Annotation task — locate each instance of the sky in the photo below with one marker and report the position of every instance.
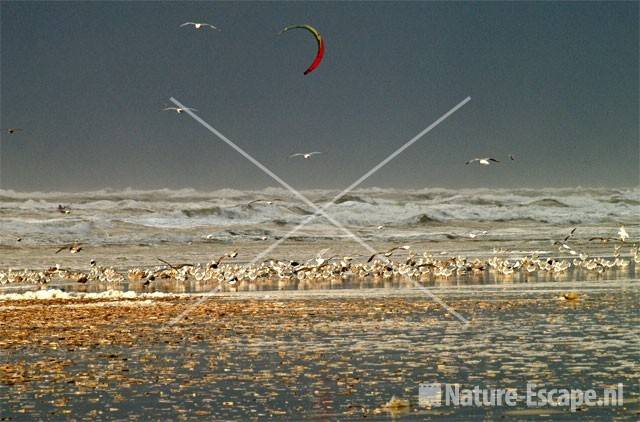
(554, 83)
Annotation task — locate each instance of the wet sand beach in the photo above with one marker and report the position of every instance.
(323, 354)
(321, 210)
(169, 315)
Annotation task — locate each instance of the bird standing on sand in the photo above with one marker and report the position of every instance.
(304, 155)
(199, 25)
(623, 233)
(482, 161)
(12, 130)
(178, 110)
(63, 209)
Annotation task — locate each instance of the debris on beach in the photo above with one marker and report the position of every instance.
(397, 403)
(571, 296)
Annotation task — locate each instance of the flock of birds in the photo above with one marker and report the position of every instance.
(417, 266)
(305, 155)
(196, 26)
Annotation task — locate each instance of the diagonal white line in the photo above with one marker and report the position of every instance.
(320, 211)
(399, 150)
(374, 169)
(270, 173)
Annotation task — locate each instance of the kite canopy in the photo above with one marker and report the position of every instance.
(319, 40)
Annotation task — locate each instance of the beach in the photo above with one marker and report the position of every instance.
(319, 210)
(181, 320)
(323, 354)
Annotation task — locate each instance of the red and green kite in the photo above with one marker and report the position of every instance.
(319, 40)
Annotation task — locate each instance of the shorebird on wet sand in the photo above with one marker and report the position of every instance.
(148, 280)
(81, 278)
(63, 209)
(482, 161)
(12, 130)
(623, 233)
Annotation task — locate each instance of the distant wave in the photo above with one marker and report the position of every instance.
(547, 202)
(199, 212)
(425, 219)
(148, 215)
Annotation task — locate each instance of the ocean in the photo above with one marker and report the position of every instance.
(121, 217)
(113, 332)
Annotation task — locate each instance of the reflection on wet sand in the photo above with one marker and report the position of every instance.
(333, 272)
(327, 356)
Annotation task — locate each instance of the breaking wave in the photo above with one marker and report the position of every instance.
(186, 214)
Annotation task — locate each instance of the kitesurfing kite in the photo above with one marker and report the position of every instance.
(319, 39)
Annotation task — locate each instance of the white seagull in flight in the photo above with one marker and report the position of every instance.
(199, 25)
(483, 161)
(304, 155)
(179, 109)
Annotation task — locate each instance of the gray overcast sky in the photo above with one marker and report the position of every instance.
(556, 84)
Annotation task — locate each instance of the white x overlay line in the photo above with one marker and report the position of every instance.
(318, 210)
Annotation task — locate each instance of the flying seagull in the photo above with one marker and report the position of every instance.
(265, 201)
(604, 239)
(179, 109)
(389, 252)
(512, 157)
(570, 235)
(477, 234)
(483, 161)
(199, 25)
(304, 155)
(73, 248)
(174, 267)
(217, 262)
(12, 130)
